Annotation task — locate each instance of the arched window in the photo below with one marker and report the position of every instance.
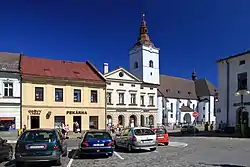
(136, 65)
(151, 64)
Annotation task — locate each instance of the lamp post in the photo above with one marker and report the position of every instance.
(241, 93)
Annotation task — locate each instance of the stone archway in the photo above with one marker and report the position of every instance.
(121, 120)
(142, 120)
(132, 121)
(109, 120)
(151, 120)
(187, 118)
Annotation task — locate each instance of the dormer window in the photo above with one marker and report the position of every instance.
(151, 64)
(178, 92)
(136, 65)
(167, 90)
(189, 93)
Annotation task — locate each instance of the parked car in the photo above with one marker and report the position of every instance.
(6, 150)
(161, 135)
(136, 138)
(40, 145)
(96, 143)
(189, 129)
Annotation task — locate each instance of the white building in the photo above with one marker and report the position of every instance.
(178, 98)
(233, 88)
(9, 91)
(130, 102)
(132, 96)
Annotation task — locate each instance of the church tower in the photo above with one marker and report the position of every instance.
(144, 57)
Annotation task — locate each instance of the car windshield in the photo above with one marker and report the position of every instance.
(38, 136)
(98, 136)
(141, 132)
(160, 131)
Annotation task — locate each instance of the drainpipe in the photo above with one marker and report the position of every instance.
(209, 113)
(105, 108)
(228, 89)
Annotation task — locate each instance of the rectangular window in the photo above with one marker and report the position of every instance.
(133, 85)
(151, 100)
(38, 93)
(121, 84)
(242, 81)
(8, 89)
(121, 98)
(59, 94)
(193, 106)
(58, 120)
(171, 115)
(109, 101)
(93, 96)
(171, 107)
(133, 99)
(142, 100)
(77, 95)
(242, 62)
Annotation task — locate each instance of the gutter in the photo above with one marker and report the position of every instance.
(228, 89)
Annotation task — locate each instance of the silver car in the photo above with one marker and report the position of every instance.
(136, 138)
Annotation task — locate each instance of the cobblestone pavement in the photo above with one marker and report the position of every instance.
(200, 152)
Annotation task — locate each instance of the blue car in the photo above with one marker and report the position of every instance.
(96, 143)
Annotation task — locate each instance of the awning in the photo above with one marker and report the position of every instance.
(7, 118)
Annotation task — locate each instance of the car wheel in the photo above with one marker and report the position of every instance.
(129, 148)
(10, 155)
(110, 154)
(58, 162)
(166, 144)
(152, 149)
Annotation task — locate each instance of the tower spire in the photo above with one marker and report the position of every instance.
(143, 38)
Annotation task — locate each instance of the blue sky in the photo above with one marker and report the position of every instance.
(192, 34)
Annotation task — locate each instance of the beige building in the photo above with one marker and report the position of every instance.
(56, 92)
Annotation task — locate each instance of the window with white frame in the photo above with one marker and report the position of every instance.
(133, 98)
(142, 100)
(121, 98)
(8, 89)
(109, 98)
(151, 100)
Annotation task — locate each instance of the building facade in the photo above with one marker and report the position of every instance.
(233, 90)
(56, 92)
(132, 95)
(178, 98)
(9, 91)
(130, 102)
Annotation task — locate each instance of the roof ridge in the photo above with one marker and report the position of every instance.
(176, 77)
(72, 61)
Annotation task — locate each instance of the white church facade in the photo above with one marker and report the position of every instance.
(141, 96)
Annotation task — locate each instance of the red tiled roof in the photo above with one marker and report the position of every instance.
(41, 67)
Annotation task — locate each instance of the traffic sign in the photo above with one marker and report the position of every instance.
(195, 114)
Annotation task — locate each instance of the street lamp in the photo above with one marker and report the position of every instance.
(241, 93)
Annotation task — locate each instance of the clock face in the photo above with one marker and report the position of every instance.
(121, 74)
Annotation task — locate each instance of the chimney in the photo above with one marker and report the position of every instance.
(194, 77)
(105, 68)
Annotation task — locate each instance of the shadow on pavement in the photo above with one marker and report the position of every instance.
(10, 163)
(123, 150)
(205, 134)
(74, 154)
(223, 165)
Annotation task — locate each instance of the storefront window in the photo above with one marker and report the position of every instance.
(7, 123)
(58, 121)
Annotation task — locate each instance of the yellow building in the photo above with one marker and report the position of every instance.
(56, 92)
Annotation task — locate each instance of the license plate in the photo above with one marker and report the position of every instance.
(160, 137)
(36, 147)
(97, 145)
(147, 141)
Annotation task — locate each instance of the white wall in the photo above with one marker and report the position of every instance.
(234, 69)
(115, 88)
(203, 109)
(143, 55)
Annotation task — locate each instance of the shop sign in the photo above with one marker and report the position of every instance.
(34, 112)
(238, 104)
(76, 112)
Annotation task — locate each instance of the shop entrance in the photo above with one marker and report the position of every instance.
(77, 119)
(34, 122)
(93, 122)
